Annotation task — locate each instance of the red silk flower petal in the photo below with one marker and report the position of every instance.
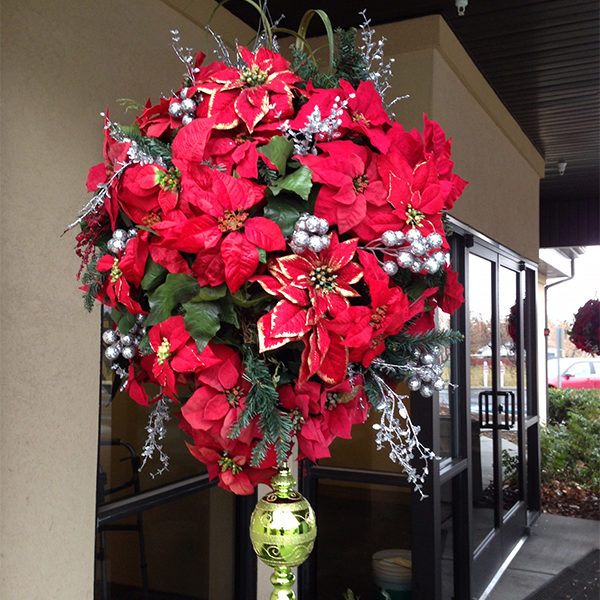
(241, 260)
(264, 233)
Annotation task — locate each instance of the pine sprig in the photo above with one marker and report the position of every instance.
(92, 279)
(349, 64)
(404, 344)
(262, 401)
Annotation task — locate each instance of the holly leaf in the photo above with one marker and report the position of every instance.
(278, 150)
(125, 321)
(155, 275)
(202, 321)
(298, 181)
(284, 212)
(228, 314)
(177, 289)
(208, 293)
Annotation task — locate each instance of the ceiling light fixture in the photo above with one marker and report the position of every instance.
(562, 166)
(461, 5)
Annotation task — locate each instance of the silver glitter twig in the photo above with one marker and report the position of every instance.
(401, 434)
(185, 55)
(380, 71)
(157, 431)
(316, 128)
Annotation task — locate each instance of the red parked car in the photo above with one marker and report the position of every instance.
(575, 373)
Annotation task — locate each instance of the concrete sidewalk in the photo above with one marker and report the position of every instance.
(555, 543)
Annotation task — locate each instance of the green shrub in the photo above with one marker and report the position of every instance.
(561, 400)
(570, 443)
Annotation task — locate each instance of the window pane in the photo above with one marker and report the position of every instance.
(356, 522)
(186, 545)
(480, 329)
(508, 307)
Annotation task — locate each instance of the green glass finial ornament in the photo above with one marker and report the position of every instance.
(283, 529)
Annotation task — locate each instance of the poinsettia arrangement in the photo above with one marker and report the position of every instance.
(585, 332)
(273, 248)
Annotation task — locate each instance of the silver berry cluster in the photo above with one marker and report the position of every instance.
(119, 239)
(310, 232)
(125, 345)
(426, 373)
(184, 106)
(412, 251)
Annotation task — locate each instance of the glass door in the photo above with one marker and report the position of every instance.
(496, 393)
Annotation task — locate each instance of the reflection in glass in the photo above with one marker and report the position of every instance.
(480, 329)
(183, 551)
(447, 410)
(508, 307)
(356, 520)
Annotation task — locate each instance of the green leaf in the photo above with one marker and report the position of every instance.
(278, 150)
(228, 314)
(155, 275)
(202, 320)
(177, 289)
(298, 181)
(284, 212)
(124, 320)
(208, 293)
(262, 255)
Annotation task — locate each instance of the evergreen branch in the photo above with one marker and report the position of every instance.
(262, 401)
(404, 343)
(92, 279)
(349, 64)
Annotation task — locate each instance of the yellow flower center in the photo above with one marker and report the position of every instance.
(232, 220)
(253, 76)
(164, 351)
(323, 278)
(115, 272)
(227, 464)
(414, 217)
(169, 180)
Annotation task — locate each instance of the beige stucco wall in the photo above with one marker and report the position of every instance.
(63, 62)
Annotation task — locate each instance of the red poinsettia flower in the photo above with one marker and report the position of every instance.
(321, 280)
(343, 405)
(148, 192)
(237, 150)
(311, 286)
(229, 460)
(262, 91)
(175, 352)
(350, 181)
(226, 227)
(219, 400)
(366, 114)
(116, 289)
